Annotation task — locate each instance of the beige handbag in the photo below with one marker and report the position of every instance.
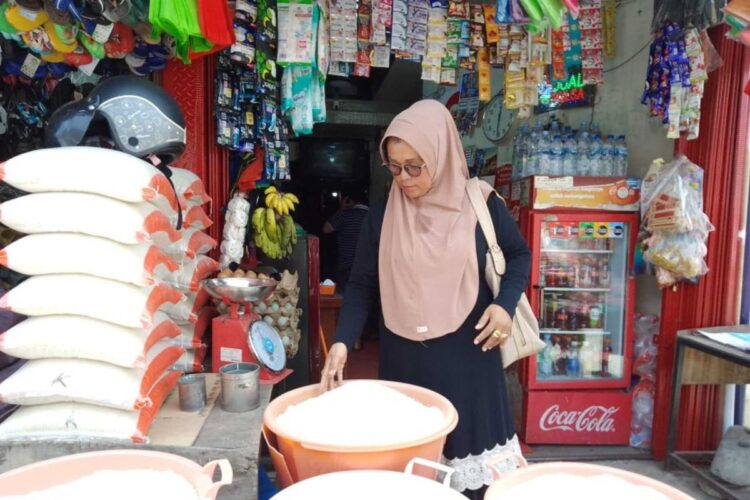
(524, 339)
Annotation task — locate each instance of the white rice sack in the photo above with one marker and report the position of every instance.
(80, 337)
(45, 381)
(192, 242)
(90, 170)
(194, 218)
(189, 186)
(92, 214)
(188, 278)
(144, 484)
(338, 417)
(65, 253)
(191, 334)
(581, 488)
(75, 421)
(188, 310)
(192, 361)
(98, 298)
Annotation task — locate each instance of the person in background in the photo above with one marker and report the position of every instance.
(346, 224)
(425, 255)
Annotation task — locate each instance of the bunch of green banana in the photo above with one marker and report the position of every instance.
(275, 235)
(281, 203)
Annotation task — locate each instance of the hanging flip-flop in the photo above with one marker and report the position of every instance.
(53, 57)
(57, 15)
(62, 36)
(116, 10)
(121, 42)
(38, 42)
(6, 28)
(79, 57)
(24, 19)
(95, 48)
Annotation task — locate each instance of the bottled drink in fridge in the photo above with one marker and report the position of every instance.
(545, 146)
(595, 316)
(604, 277)
(609, 154)
(544, 358)
(573, 362)
(595, 156)
(531, 166)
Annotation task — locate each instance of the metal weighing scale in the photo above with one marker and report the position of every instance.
(242, 336)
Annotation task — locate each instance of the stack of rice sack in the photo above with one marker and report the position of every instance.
(280, 311)
(194, 315)
(97, 222)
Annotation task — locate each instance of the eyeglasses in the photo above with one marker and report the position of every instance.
(412, 170)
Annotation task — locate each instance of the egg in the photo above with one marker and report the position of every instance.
(275, 307)
(262, 307)
(288, 307)
(251, 274)
(226, 273)
(283, 320)
(263, 276)
(239, 273)
(285, 341)
(268, 319)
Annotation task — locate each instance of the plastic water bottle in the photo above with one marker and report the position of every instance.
(532, 155)
(583, 164)
(570, 156)
(622, 156)
(595, 156)
(516, 160)
(556, 156)
(544, 359)
(545, 147)
(608, 157)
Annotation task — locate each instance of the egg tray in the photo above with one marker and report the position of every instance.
(290, 337)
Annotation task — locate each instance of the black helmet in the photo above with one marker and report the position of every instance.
(137, 116)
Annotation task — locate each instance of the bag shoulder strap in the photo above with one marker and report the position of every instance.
(485, 222)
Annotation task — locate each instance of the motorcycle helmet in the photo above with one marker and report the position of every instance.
(138, 116)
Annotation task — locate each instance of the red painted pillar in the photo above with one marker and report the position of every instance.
(720, 150)
(193, 86)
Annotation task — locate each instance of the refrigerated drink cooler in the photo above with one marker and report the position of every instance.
(576, 389)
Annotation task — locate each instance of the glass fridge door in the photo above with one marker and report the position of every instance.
(583, 292)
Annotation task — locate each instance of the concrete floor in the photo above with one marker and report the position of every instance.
(682, 481)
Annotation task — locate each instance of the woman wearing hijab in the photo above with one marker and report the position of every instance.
(425, 255)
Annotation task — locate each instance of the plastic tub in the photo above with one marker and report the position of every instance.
(373, 484)
(505, 485)
(50, 473)
(295, 460)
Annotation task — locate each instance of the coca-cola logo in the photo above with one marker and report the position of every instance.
(592, 419)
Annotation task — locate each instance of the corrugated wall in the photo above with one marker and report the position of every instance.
(720, 150)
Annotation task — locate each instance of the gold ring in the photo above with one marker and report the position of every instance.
(497, 334)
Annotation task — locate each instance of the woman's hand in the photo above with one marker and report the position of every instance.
(334, 367)
(495, 325)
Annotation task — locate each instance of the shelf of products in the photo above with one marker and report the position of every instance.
(584, 251)
(555, 331)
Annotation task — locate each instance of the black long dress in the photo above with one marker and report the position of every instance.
(451, 365)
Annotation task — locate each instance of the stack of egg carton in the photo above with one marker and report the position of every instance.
(98, 341)
(280, 311)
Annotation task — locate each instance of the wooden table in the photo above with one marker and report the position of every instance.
(700, 360)
(330, 305)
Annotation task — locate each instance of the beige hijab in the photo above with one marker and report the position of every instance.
(429, 276)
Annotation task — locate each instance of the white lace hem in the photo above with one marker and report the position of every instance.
(472, 471)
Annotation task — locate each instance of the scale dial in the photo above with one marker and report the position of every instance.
(267, 347)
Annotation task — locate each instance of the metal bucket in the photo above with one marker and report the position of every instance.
(192, 391)
(240, 387)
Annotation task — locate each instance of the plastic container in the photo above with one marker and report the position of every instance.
(295, 460)
(373, 484)
(505, 485)
(58, 471)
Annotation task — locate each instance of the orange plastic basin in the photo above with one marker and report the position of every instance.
(295, 460)
(508, 482)
(58, 471)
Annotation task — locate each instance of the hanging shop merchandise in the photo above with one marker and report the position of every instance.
(675, 79)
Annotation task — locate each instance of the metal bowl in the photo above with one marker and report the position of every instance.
(239, 289)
